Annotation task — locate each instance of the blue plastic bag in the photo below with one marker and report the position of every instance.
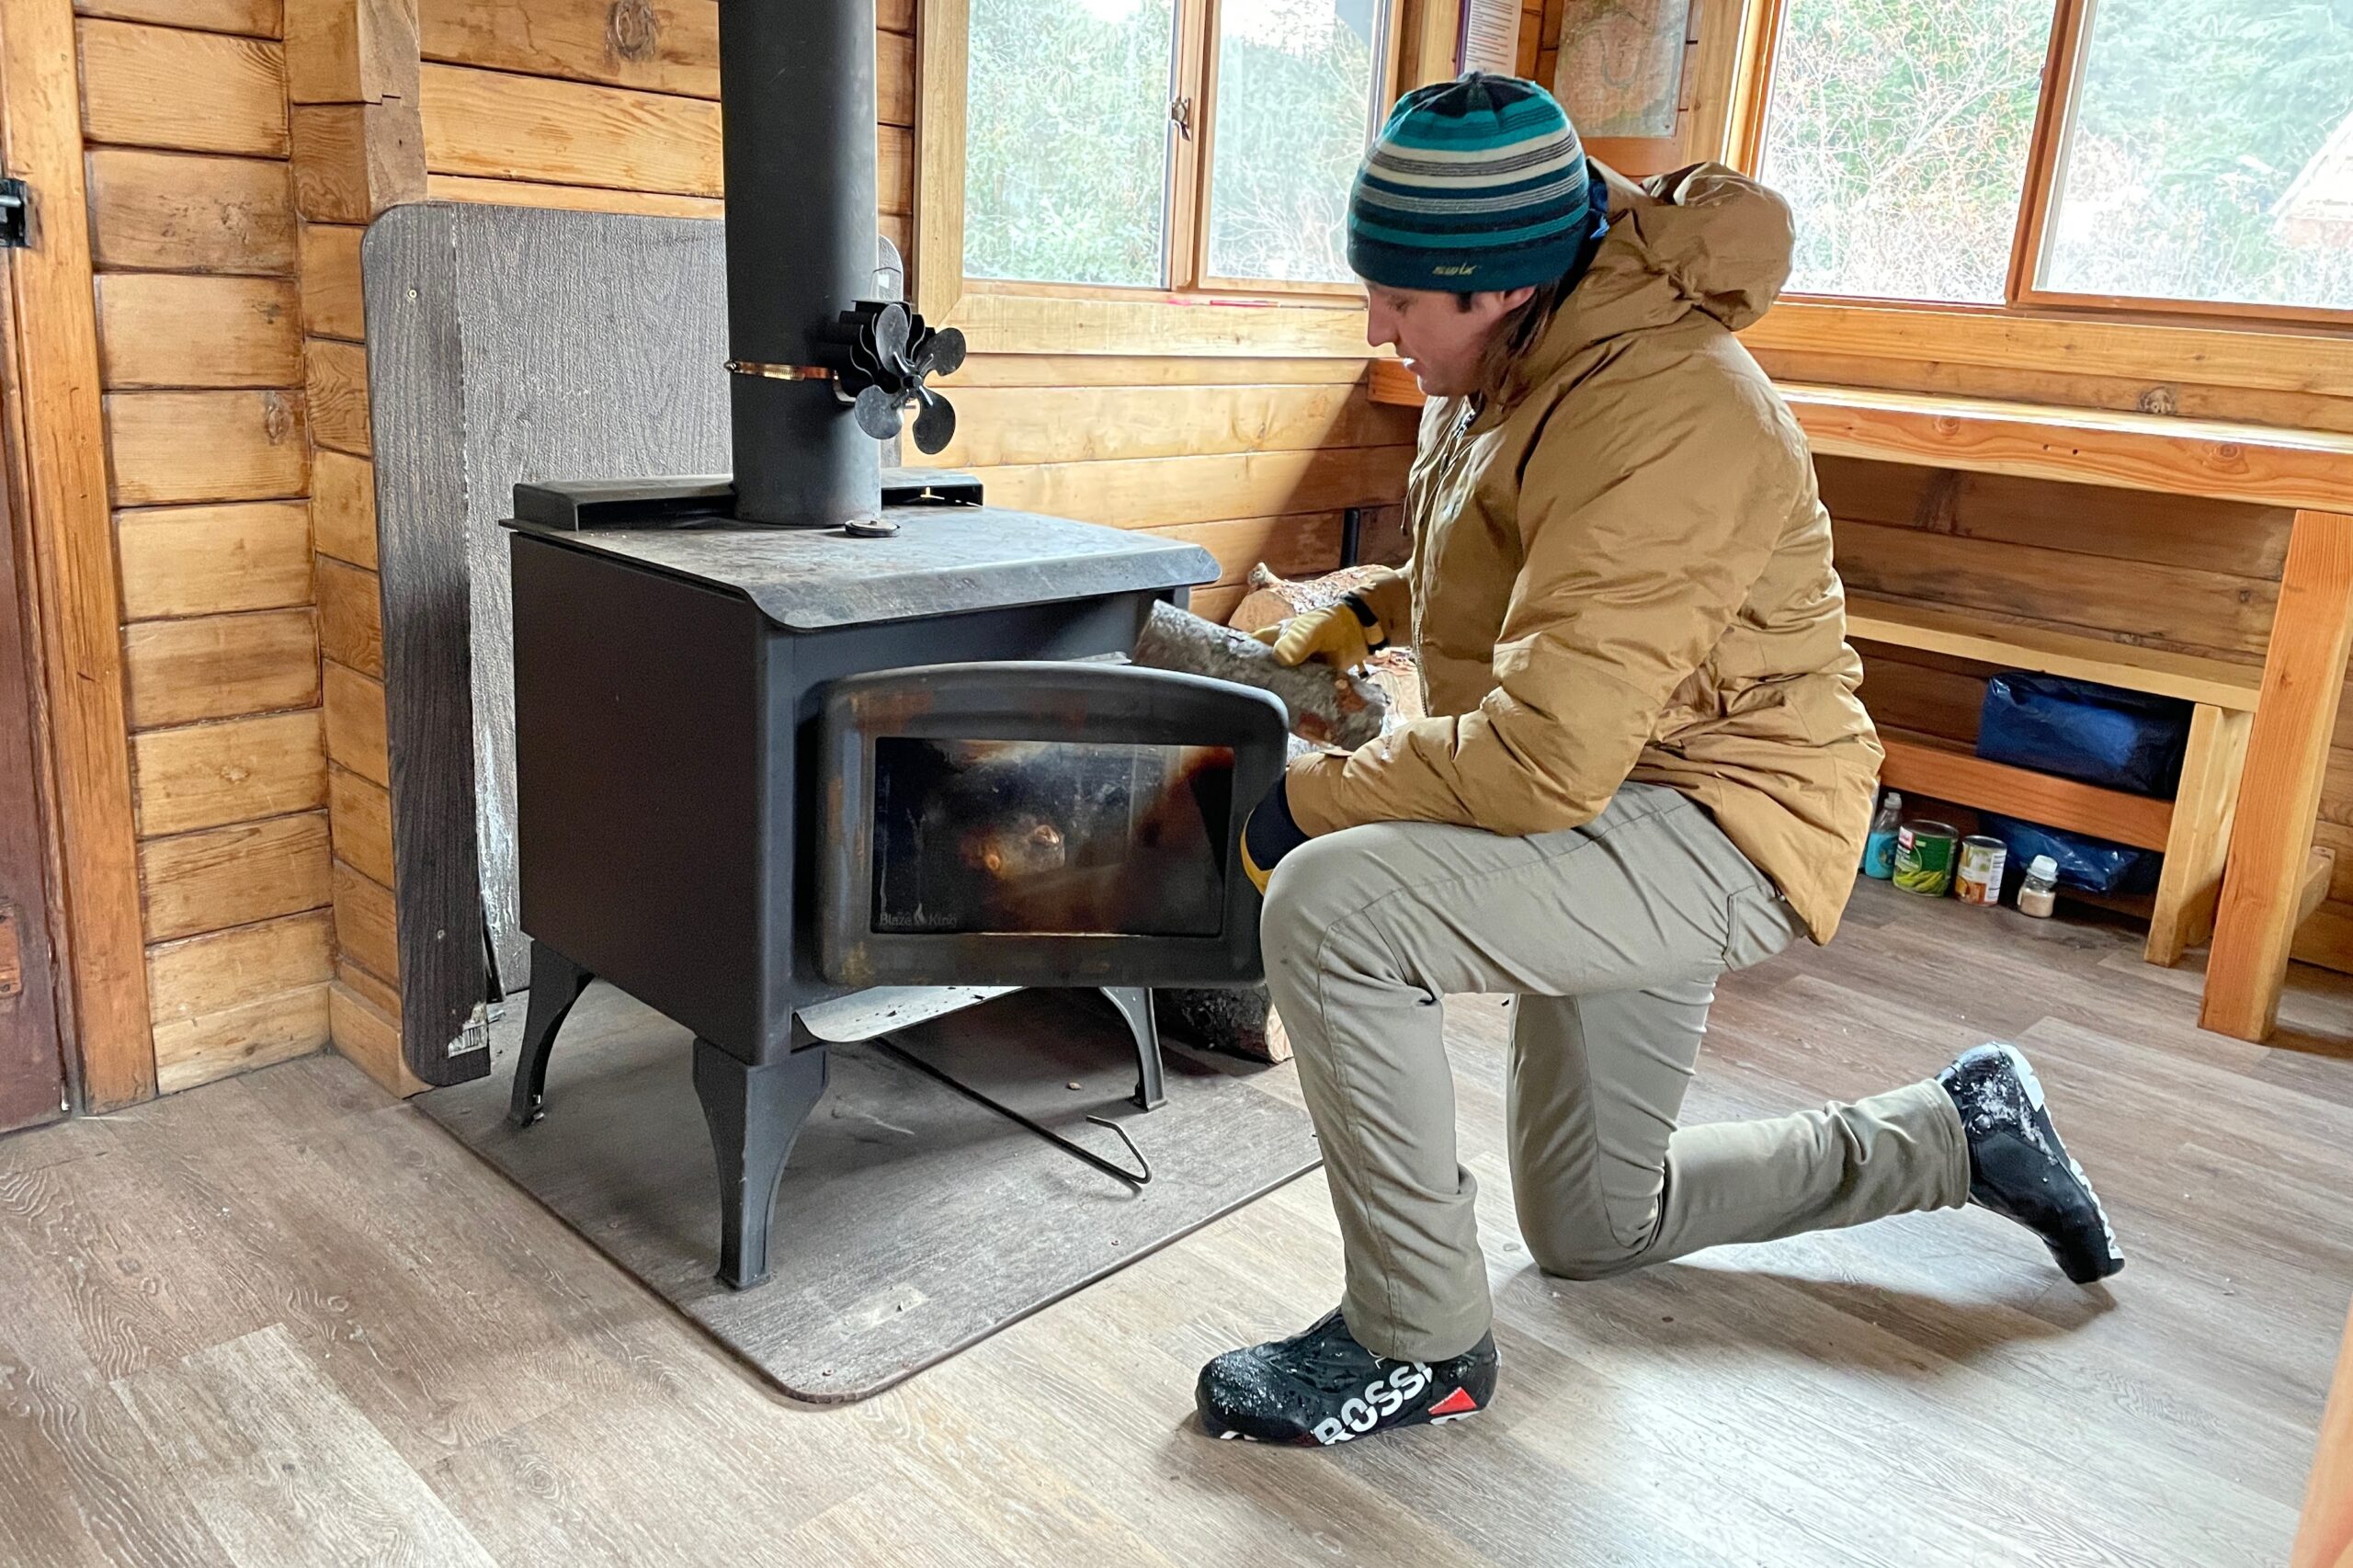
(2087, 863)
(2079, 729)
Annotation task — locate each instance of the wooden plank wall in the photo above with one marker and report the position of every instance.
(2124, 563)
(194, 236)
(533, 102)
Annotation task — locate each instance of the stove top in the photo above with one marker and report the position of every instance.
(942, 560)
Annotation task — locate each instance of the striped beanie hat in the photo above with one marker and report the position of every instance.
(1475, 183)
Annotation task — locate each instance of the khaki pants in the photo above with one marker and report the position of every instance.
(1612, 936)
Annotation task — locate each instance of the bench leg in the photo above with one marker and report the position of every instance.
(2200, 840)
(2287, 753)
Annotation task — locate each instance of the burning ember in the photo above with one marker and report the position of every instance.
(1050, 837)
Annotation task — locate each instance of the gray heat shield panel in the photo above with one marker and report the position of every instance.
(508, 345)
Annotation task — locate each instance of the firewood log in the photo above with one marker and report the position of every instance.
(1243, 1021)
(1328, 707)
(1273, 599)
(1392, 669)
(1240, 1022)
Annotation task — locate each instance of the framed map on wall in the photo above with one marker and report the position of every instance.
(1620, 66)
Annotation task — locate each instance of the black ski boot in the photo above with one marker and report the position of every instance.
(2019, 1168)
(1322, 1387)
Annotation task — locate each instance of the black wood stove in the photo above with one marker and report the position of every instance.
(818, 751)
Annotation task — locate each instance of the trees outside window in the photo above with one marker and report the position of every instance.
(1169, 144)
(2207, 154)
(2196, 153)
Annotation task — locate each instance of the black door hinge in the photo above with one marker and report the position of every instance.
(15, 205)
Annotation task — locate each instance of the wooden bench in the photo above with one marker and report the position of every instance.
(2192, 829)
(2239, 836)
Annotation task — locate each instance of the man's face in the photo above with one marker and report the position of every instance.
(1439, 339)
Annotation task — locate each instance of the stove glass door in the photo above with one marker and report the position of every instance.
(1049, 838)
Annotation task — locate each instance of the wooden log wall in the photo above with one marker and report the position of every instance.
(196, 246)
(234, 151)
(352, 90)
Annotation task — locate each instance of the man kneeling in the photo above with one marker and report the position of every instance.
(1645, 765)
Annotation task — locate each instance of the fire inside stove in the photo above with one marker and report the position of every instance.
(1050, 837)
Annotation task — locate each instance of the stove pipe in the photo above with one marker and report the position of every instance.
(796, 85)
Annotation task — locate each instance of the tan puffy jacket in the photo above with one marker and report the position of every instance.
(1621, 570)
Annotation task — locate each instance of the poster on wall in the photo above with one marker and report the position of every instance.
(1490, 38)
(1621, 66)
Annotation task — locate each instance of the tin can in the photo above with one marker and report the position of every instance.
(1979, 880)
(1924, 857)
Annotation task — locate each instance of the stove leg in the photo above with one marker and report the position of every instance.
(1134, 1003)
(754, 1114)
(556, 984)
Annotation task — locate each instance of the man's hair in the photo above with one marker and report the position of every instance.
(1518, 333)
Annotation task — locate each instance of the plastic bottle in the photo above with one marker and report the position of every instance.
(1878, 850)
(2038, 893)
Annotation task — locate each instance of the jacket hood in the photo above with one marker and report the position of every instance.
(1722, 240)
(1704, 238)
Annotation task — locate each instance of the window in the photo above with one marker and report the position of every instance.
(2207, 154)
(2196, 153)
(1899, 130)
(1066, 169)
(1169, 144)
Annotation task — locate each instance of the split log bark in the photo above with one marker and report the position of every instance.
(1273, 599)
(1327, 707)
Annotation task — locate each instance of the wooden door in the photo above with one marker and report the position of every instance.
(32, 1061)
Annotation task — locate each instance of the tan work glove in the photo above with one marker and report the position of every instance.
(1343, 634)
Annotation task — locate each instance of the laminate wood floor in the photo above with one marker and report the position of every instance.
(283, 1319)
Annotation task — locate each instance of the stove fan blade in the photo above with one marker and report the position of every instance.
(936, 425)
(942, 352)
(891, 331)
(877, 412)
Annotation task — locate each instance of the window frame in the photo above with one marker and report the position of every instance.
(2063, 71)
(1205, 316)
